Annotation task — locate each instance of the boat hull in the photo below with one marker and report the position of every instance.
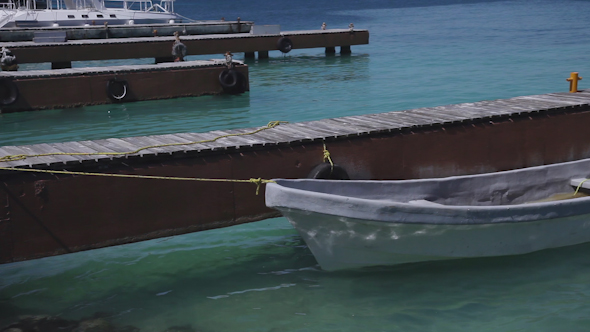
(357, 223)
(77, 17)
(344, 243)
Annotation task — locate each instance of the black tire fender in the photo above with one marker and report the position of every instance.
(228, 79)
(284, 45)
(179, 50)
(117, 89)
(232, 81)
(8, 91)
(325, 171)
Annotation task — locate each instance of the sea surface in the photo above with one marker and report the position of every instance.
(261, 276)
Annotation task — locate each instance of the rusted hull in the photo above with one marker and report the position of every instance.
(59, 91)
(42, 214)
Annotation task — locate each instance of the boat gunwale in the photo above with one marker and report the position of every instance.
(394, 211)
(451, 210)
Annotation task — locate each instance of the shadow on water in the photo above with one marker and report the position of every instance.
(310, 71)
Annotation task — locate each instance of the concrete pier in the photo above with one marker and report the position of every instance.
(44, 214)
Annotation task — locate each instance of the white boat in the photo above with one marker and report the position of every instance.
(351, 224)
(68, 13)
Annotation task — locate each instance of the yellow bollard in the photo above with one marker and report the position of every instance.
(574, 78)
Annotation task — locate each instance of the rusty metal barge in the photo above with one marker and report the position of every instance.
(63, 88)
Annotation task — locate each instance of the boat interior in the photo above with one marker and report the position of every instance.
(522, 186)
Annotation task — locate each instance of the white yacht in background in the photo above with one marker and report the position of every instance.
(67, 13)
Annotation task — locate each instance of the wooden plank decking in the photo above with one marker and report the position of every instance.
(294, 133)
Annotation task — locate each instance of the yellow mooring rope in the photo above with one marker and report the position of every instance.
(16, 157)
(327, 157)
(257, 182)
(580, 186)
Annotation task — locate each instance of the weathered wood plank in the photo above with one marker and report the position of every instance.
(145, 141)
(74, 148)
(460, 114)
(173, 138)
(552, 99)
(297, 135)
(47, 148)
(244, 140)
(371, 124)
(359, 129)
(303, 131)
(325, 129)
(318, 130)
(401, 118)
(111, 150)
(438, 115)
(26, 150)
(9, 152)
(297, 132)
(197, 137)
(387, 123)
(275, 136)
(341, 130)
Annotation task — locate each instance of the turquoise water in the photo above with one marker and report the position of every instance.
(261, 276)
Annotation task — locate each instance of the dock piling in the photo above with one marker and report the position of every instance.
(61, 65)
(262, 54)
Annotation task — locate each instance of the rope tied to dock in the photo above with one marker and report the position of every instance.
(257, 181)
(18, 157)
(327, 156)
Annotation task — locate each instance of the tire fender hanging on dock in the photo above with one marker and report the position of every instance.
(8, 91)
(232, 81)
(284, 45)
(327, 171)
(117, 89)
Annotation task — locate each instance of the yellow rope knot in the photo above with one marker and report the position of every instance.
(258, 182)
(273, 124)
(327, 157)
(14, 157)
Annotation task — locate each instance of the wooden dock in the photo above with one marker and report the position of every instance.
(63, 88)
(159, 47)
(47, 214)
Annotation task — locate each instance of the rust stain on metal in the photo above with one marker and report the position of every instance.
(46, 92)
